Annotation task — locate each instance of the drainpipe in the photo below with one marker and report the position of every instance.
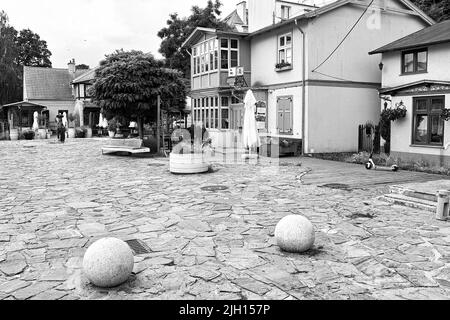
(303, 87)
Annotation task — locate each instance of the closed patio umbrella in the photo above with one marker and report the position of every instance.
(79, 110)
(249, 131)
(64, 119)
(35, 122)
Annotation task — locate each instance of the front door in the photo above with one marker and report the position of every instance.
(237, 116)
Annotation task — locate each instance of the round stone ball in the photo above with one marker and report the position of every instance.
(108, 262)
(295, 234)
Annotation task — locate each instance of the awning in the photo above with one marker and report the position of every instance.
(25, 105)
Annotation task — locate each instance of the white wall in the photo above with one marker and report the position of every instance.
(296, 93)
(334, 115)
(351, 61)
(438, 67)
(260, 14)
(264, 58)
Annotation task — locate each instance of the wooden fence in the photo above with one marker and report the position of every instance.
(369, 139)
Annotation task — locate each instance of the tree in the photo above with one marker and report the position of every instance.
(10, 81)
(439, 10)
(127, 84)
(32, 51)
(16, 50)
(178, 30)
(82, 67)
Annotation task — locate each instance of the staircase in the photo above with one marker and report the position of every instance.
(411, 198)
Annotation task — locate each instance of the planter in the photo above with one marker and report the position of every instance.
(111, 134)
(71, 132)
(88, 133)
(188, 163)
(49, 135)
(14, 134)
(42, 134)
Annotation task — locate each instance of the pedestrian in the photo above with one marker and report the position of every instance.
(62, 132)
(58, 121)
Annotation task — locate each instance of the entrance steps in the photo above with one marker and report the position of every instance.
(411, 198)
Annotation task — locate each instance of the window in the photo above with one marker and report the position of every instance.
(285, 12)
(285, 49)
(415, 61)
(86, 92)
(205, 57)
(229, 53)
(428, 126)
(284, 115)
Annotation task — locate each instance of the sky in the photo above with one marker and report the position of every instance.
(86, 30)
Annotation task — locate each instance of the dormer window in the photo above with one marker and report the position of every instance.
(415, 61)
(285, 12)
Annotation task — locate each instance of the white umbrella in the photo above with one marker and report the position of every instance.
(79, 110)
(35, 122)
(100, 120)
(64, 119)
(249, 131)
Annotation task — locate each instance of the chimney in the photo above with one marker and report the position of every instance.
(71, 66)
(242, 11)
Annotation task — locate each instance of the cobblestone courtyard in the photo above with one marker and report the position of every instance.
(56, 200)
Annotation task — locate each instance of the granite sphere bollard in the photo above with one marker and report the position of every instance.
(108, 262)
(295, 234)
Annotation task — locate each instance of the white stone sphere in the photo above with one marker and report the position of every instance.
(108, 262)
(295, 234)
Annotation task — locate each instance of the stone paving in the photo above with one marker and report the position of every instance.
(56, 200)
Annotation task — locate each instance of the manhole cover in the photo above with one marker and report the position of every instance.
(214, 188)
(138, 246)
(337, 186)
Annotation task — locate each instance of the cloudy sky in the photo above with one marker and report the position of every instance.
(88, 29)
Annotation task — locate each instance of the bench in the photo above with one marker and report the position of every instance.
(131, 146)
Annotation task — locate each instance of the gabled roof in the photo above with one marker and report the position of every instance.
(233, 19)
(436, 34)
(332, 6)
(413, 84)
(86, 77)
(199, 31)
(47, 84)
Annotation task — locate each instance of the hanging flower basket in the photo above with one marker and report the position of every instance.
(394, 114)
(445, 115)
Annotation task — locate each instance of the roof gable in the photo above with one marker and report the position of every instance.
(337, 4)
(435, 34)
(86, 77)
(47, 84)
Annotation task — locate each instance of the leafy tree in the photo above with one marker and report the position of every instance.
(82, 67)
(178, 30)
(10, 82)
(32, 51)
(127, 84)
(439, 10)
(16, 50)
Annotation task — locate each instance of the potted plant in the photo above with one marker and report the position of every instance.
(112, 128)
(283, 66)
(190, 158)
(445, 115)
(71, 118)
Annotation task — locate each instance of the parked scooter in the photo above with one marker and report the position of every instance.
(371, 166)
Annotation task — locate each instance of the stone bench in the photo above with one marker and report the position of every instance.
(131, 146)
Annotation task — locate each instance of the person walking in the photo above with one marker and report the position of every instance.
(62, 131)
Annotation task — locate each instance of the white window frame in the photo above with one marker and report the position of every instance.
(201, 56)
(285, 47)
(229, 52)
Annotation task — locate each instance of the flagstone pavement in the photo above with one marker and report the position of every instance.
(56, 200)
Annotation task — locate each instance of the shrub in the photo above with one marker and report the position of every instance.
(112, 125)
(27, 135)
(80, 133)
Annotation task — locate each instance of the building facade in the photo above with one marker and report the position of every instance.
(416, 77)
(316, 88)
